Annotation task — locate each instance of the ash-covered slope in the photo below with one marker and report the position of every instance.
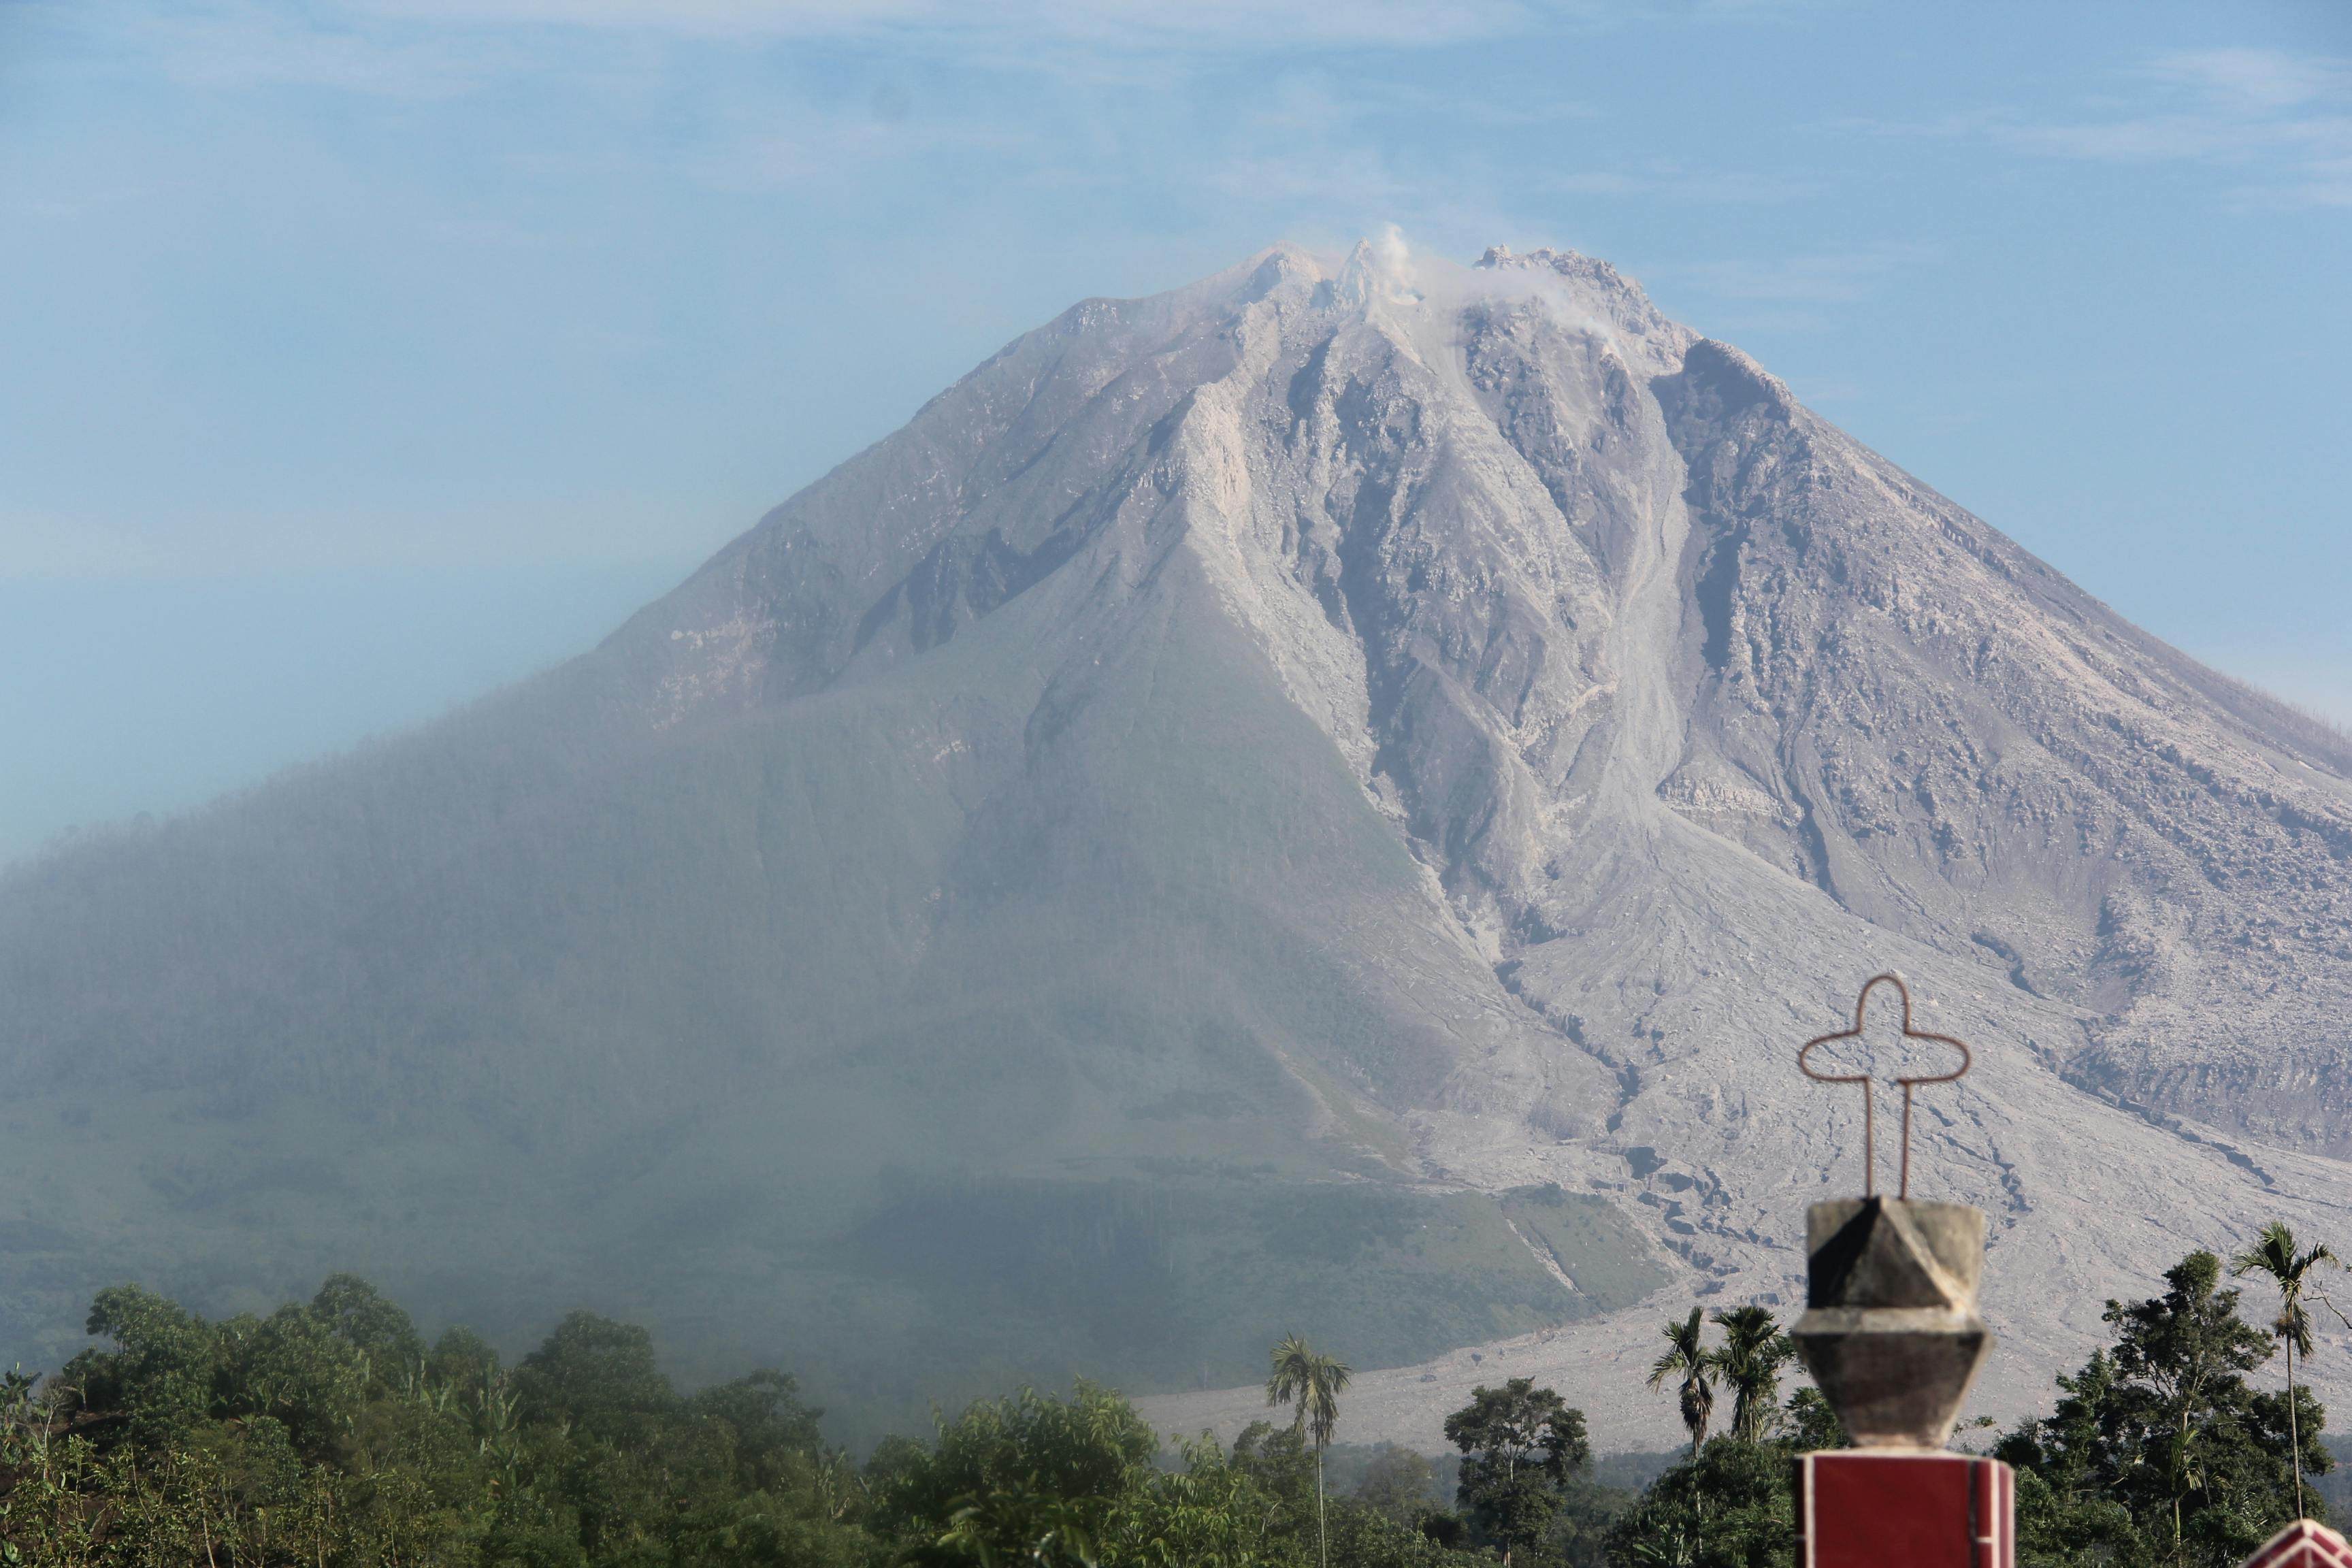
(1950, 740)
(1324, 799)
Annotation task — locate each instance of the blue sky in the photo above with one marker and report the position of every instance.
(362, 356)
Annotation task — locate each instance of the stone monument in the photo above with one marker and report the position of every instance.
(1893, 1338)
(1891, 1332)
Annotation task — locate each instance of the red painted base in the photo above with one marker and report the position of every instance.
(2302, 1544)
(1860, 1508)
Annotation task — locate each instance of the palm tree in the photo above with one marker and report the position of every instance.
(1304, 1376)
(2274, 1254)
(1686, 1356)
(1754, 1351)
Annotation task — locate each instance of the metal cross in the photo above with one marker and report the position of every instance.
(1869, 1124)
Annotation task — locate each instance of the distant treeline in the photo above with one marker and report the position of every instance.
(330, 1432)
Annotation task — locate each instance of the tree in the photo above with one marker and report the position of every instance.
(1301, 1375)
(1280, 1468)
(1520, 1445)
(357, 1313)
(158, 1380)
(1247, 1510)
(2274, 1254)
(1687, 1357)
(294, 1368)
(1811, 1424)
(1754, 1351)
(1730, 1507)
(1211, 1514)
(2185, 1349)
(2065, 1511)
(2161, 1448)
(1396, 1484)
(598, 1375)
(270, 1439)
(1029, 1479)
(1589, 1512)
(768, 1428)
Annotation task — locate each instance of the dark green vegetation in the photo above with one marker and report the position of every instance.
(1310, 1381)
(1520, 1444)
(330, 1432)
(2160, 1450)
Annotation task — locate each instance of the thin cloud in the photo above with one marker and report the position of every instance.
(2282, 121)
(1835, 278)
(1672, 182)
(819, 148)
(241, 45)
(1377, 98)
(422, 48)
(1252, 24)
(231, 45)
(1742, 297)
(2255, 81)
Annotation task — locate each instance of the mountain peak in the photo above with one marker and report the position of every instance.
(1608, 295)
(1373, 737)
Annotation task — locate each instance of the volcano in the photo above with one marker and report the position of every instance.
(1325, 800)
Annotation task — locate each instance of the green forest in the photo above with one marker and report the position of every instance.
(331, 1431)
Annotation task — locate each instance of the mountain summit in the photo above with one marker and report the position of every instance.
(1326, 799)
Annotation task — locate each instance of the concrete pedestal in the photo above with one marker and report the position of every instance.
(1860, 1507)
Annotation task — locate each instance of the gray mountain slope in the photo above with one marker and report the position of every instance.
(1326, 799)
